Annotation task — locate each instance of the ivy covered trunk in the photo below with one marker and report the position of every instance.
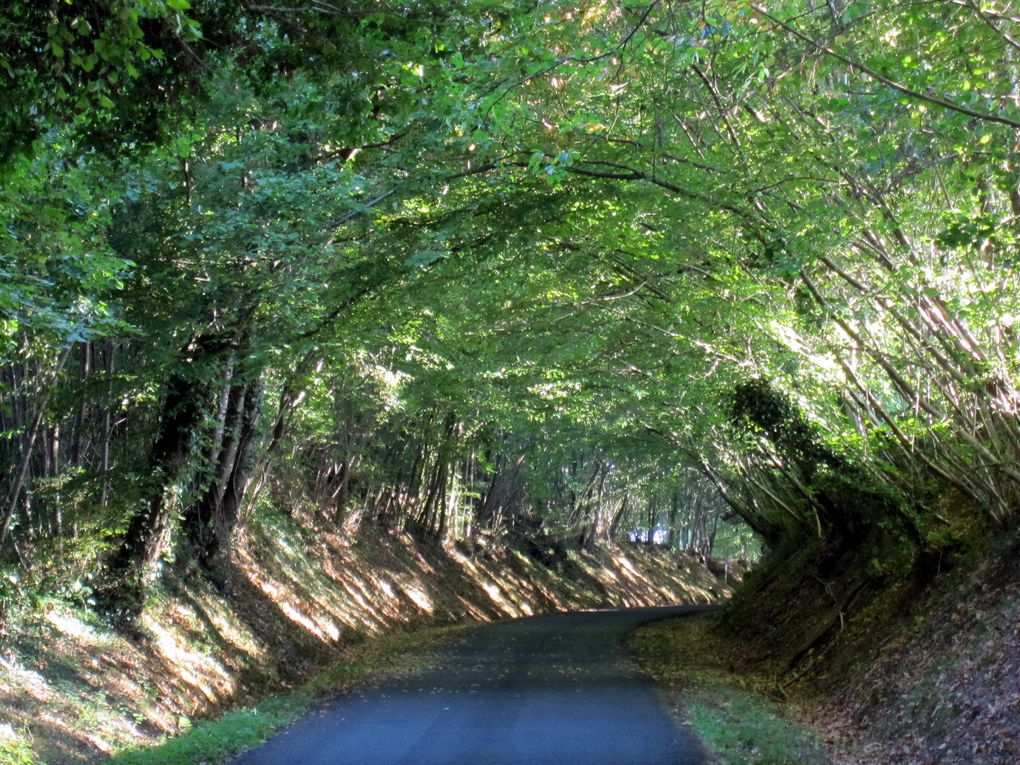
(209, 523)
(148, 530)
(185, 406)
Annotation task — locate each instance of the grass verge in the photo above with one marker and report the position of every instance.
(13, 751)
(732, 714)
(395, 654)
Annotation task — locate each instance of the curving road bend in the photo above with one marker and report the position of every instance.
(550, 689)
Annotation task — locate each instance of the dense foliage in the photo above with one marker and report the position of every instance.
(504, 268)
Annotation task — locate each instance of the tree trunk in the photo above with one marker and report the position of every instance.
(209, 524)
(104, 451)
(78, 428)
(230, 500)
(674, 513)
(21, 472)
(149, 530)
(618, 516)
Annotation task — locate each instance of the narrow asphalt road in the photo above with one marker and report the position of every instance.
(550, 689)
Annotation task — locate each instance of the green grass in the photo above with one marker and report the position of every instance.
(215, 741)
(16, 752)
(740, 727)
(735, 719)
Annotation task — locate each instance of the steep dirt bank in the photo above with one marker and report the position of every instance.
(72, 690)
(886, 668)
(938, 682)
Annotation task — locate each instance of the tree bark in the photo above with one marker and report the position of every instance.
(185, 402)
(21, 472)
(209, 524)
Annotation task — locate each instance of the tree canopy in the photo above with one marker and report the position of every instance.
(476, 267)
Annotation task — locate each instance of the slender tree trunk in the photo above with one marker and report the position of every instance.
(228, 507)
(21, 472)
(674, 514)
(618, 516)
(78, 428)
(104, 451)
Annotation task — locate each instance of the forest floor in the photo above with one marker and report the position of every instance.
(920, 675)
(299, 600)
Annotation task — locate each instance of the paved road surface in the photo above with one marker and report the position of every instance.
(553, 690)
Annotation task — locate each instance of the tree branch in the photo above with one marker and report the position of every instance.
(869, 72)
